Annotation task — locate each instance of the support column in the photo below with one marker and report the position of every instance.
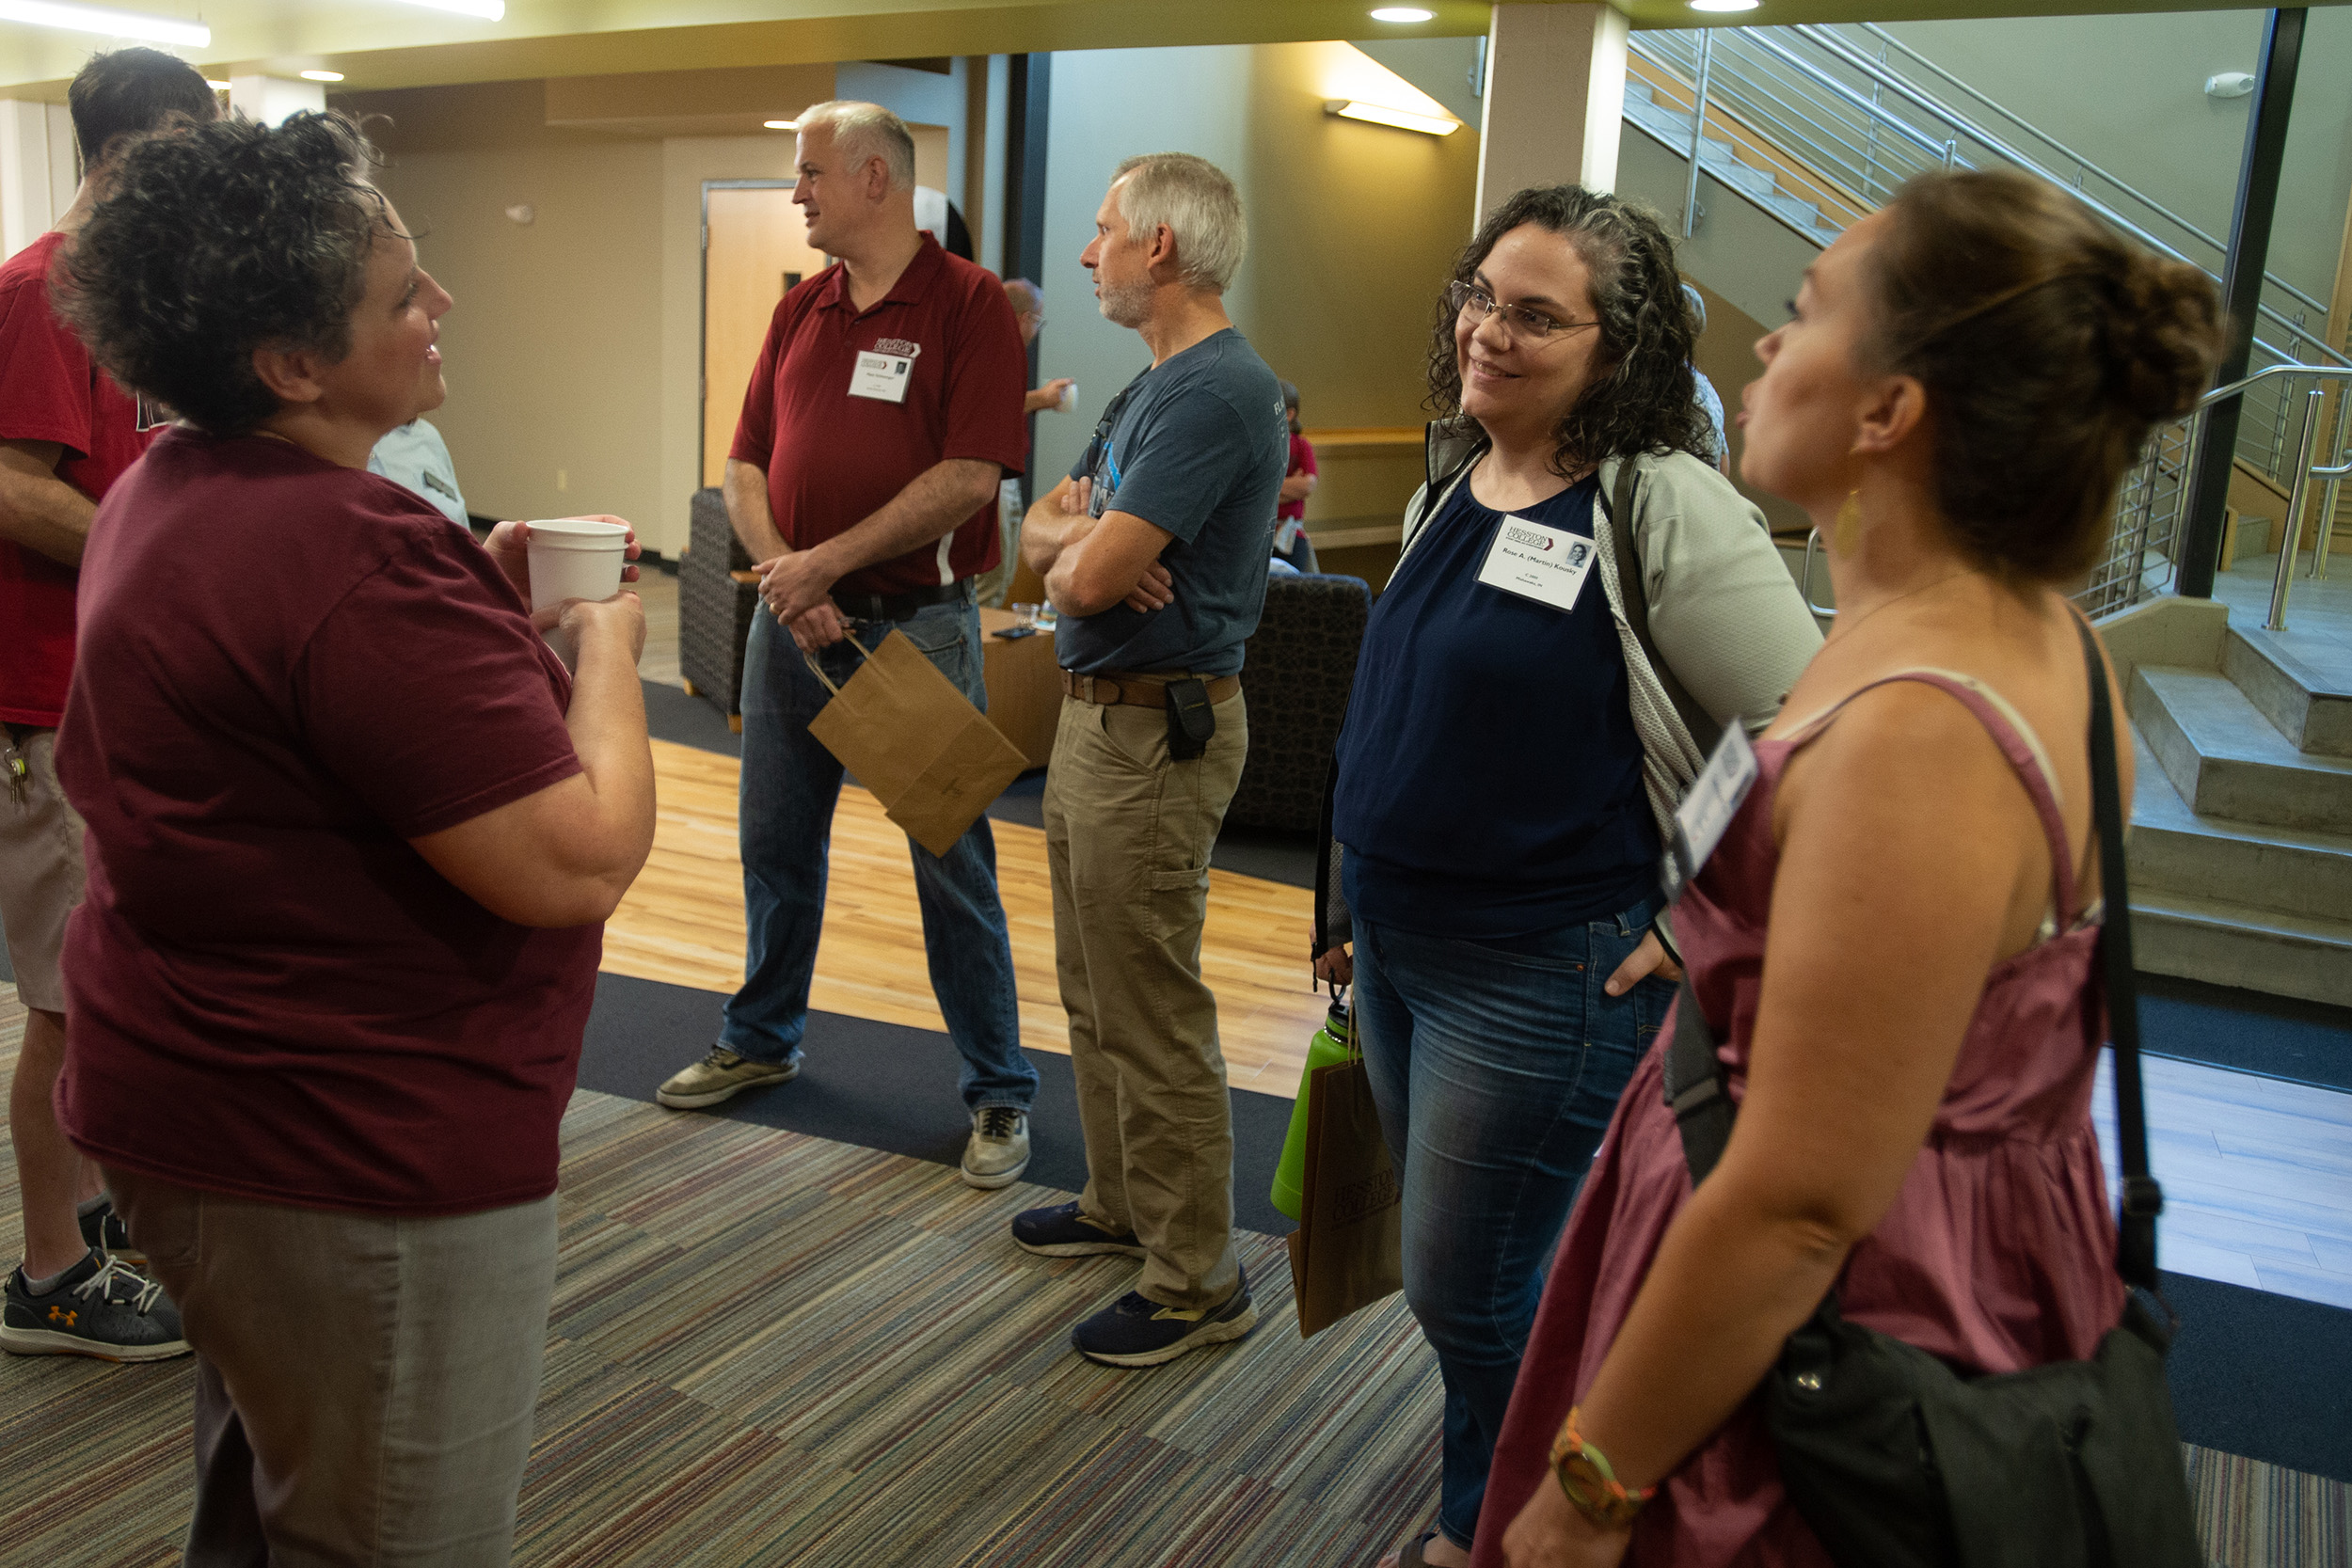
(37, 170)
(1554, 105)
(1031, 91)
(2241, 290)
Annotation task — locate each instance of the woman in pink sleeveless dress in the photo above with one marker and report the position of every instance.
(1892, 937)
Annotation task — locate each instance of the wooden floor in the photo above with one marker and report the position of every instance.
(683, 923)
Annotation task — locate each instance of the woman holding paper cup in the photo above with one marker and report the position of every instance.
(353, 833)
(1528, 705)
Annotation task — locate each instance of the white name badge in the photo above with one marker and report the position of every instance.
(882, 375)
(1706, 812)
(1546, 565)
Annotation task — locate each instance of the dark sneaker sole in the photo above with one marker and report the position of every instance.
(989, 1181)
(1214, 1331)
(41, 1341)
(715, 1096)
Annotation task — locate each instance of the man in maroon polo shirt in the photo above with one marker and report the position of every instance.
(883, 411)
(67, 433)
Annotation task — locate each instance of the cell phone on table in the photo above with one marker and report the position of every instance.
(1011, 632)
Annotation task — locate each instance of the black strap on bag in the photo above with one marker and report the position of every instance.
(1899, 1459)
(1633, 589)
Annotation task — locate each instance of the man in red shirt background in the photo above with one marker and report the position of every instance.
(67, 433)
(883, 411)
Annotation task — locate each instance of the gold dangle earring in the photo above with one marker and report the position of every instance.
(1846, 533)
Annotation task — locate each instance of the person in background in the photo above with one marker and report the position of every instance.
(415, 456)
(354, 833)
(1511, 757)
(1291, 545)
(1710, 401)
(67, 434)
(1028, 311)
(1894, 944)
(1154, 549)
(882, 412)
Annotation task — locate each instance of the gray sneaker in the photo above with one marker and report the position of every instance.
(999, 1149)
(722, 1075)
(103, 1308)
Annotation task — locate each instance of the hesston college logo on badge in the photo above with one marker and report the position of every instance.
(899, 346)
(1521, 536)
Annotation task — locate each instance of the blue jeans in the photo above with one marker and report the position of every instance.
(1495, 1074)
(790, 785)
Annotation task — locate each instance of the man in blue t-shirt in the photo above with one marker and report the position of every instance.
(1154, 550)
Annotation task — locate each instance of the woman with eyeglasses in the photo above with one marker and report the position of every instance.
(1581, 606)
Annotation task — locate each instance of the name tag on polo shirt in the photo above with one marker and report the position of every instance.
(882, 375)
(1546, 565)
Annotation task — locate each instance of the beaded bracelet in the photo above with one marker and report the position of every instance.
(1585, 1475)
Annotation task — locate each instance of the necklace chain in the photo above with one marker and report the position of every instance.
(1908, 593)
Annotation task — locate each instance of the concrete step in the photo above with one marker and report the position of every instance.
(2310, 709)
(2234, 945)
(2288, 871)
(2228, 760)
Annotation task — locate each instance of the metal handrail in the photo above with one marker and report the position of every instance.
(2299, 488)
(2109, 176)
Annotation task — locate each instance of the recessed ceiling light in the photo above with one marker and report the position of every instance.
(1380, 114)
(489, 10)
(1725, 5)
(322, 75)
(1402, 13)
(106, 23)
(782, 124)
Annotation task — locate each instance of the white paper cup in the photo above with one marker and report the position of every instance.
(574, 557)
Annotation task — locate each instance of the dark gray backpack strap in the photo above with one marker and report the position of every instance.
(1696, 1092)
(1633, 590)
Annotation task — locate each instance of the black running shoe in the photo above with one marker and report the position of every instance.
(1139, 1331)
(102, 1308)
(103, 1229)
(1062, 1231)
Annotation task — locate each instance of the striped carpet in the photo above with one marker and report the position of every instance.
(770, 1348)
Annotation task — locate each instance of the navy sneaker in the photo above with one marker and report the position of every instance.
(1062, 1231)
(103, 1229)
(1139, 1331)
(102, 1308)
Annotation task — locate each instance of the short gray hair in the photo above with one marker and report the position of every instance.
(1201, 207)
(862, 130)
(1028, 298)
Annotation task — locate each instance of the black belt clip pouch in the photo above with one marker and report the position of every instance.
(1190, 720)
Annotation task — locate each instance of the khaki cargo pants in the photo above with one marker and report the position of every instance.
(1127, 836)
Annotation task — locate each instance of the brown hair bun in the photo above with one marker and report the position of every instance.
(2049, 349)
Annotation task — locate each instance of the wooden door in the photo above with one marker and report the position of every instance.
(754, 246)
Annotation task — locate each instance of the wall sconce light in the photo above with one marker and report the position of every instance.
(1403, 120)
(522, 213)
(781, 124)
(2229, 83)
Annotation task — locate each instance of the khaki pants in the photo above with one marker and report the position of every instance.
(364, 1384)
(1127, 836)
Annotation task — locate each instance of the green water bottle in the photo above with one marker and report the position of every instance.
(1335, 1042)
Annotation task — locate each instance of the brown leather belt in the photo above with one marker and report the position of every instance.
(1116, 685)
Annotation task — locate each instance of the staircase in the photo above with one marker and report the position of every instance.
(1671, 126)
(2241, 846)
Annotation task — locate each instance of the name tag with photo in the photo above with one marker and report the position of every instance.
(1705, 812)
(1546, 565)
(882, 375)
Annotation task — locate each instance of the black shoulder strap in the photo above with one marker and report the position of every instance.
(2143, 1199)
(1633, 589)
(1702, 1104)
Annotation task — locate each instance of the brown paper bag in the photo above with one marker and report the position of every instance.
(1348, 1250)
(930, 757)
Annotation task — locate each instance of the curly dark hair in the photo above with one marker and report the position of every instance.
(216, 240)
(1645, 399)
(2049, 348)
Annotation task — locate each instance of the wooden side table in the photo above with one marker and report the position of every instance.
(1023, 686)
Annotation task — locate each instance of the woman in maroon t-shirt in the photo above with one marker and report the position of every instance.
(354, 832)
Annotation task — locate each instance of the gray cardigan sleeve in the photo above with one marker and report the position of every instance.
(1723, 613)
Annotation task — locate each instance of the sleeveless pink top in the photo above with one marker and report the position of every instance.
(1997, 1255)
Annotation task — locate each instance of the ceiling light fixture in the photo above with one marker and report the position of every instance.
(1725, 5)
(1403, 120)
(489, 10)
(322, 75)
(106, 23)
(782, 124)
(217, 87)
(1402, 13)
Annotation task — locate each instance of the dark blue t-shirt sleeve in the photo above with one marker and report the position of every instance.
(1187, 452)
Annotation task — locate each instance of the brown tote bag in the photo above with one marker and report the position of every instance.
(918, 743)
(1348, 1250)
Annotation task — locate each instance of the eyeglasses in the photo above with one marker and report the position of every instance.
(1519, 321)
